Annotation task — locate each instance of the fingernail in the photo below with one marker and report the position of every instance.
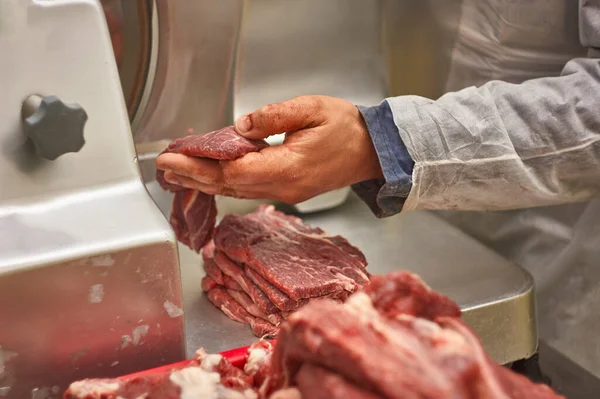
(243, 124)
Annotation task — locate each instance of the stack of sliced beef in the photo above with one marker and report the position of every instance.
(263, 266)
(396, 339)
(194, 214)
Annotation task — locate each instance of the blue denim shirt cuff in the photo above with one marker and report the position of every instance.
(386, 197)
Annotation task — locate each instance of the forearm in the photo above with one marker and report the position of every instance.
(506, 146)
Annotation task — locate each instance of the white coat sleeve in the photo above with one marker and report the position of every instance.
(506, 146)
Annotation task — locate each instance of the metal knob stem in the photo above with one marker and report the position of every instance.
(54, 127)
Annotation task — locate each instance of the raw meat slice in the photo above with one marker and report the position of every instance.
(231, 284)
(193, 217)
(280, 299)
(300, 260)
(221, 299)
(405, 293)
(222, 144)
(208, 251)
(394, 354)
(318, 383)
(208, 283)
(243, 299)
(193, 214)
(211, 269)
(236, 272)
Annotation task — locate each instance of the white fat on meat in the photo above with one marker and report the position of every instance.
(256, 358)
(210, 362)
(346, 282)
(83, 389)
(360, 303)
(196, 382)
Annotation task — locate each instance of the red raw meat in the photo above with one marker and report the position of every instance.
(208, 251)
(315, 382)
(231, 376)
(393, 354)
(205, 376)
(231, 284)
(236, 272)
(243, 299)
(258, 364)
(280, 299)
(395, 339)
(193, 217)
(405, 293)
(193, 214)
(221, 299)
(211, 269)
(300, 260)
(208, 283)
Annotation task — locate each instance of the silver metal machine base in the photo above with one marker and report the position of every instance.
(497, 297)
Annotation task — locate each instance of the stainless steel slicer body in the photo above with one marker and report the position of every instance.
(89, 275)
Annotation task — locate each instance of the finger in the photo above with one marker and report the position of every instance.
(240, 192)
(288, 116)
(270, 165)
(183, 181)
(203, 170)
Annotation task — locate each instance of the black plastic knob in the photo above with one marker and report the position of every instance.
(54, 127)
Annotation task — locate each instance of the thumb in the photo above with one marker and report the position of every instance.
(285, 117)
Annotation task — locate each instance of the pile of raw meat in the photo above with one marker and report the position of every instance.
(394, 339)
(263, 266)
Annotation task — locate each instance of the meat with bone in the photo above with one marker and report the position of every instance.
(193, 214)
(395, 339)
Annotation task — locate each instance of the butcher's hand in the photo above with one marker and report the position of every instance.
(327, 146)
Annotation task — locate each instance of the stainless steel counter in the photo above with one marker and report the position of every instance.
(497, 297)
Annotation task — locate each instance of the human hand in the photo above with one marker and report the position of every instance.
(327, 146)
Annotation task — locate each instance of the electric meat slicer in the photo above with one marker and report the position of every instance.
(89, 273)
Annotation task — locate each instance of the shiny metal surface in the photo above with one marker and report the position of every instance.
(192, 82)
(497, 297)
(289, 48)
(89, 274)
